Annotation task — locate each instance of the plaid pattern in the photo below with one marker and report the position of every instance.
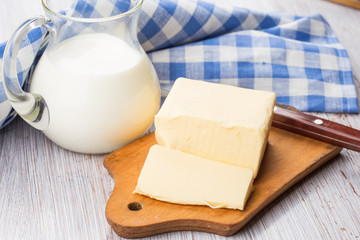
(299, 58)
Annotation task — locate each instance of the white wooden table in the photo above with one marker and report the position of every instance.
(50, 193)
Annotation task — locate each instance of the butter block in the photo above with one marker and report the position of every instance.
(178, 177)
(219, 122)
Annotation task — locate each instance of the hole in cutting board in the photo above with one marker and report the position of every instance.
(134, 206)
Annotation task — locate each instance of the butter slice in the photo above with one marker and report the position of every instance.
(218, 122)
(177, 177)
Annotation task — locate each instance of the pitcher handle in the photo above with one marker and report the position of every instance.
(31, 107)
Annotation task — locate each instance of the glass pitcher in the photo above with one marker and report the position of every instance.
(94, 88)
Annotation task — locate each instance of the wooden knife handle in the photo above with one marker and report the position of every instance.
(316, 128)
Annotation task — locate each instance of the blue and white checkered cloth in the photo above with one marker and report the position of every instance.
(299, 58)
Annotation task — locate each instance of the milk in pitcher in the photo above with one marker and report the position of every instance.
(101, 92)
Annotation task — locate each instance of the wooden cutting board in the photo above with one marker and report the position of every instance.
(288, 158)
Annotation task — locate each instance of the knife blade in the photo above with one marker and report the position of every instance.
(290, 119)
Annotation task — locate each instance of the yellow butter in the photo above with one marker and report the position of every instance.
(177, 177)
(218, 122)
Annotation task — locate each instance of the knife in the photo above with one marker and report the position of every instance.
(290, 119)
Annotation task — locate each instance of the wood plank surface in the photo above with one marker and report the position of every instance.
(50, 193)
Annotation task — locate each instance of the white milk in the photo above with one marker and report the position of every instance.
(101, 93)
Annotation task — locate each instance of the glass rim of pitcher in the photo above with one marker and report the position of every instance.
(93, 20)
